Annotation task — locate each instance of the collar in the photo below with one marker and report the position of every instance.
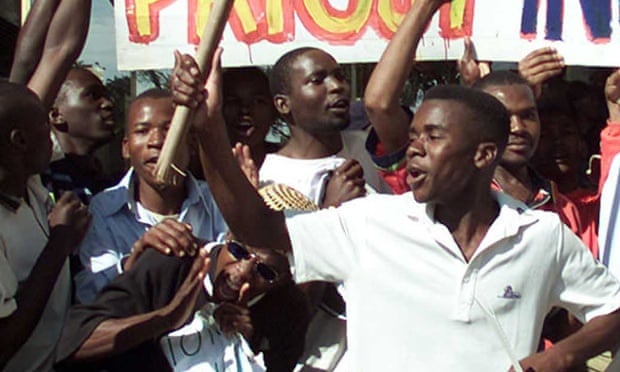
(9, 201)
(122, 195)
(546, 189)
(34, 187)
(513, 210)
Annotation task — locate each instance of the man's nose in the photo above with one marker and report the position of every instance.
(516, 124)
(415, 148)
(106, 103)
(246, 268)
(157, 137)
(337, 85)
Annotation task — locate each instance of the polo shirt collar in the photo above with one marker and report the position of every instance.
(545, 189)
(122, 195)
(513, 216)
(33, 186)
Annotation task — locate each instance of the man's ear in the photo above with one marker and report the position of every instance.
(18, 139)
(57, 120)
(282, 104)
(486, 154)
(125, 148)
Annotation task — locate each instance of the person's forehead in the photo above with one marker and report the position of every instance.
(80, 78)
(253, 85)
(314, 60)
(440, 111)
(146, 108)
(512, 95)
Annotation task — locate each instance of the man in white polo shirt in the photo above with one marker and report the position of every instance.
(457, 277)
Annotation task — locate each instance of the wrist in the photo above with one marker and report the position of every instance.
(614, 113)
(63, 234)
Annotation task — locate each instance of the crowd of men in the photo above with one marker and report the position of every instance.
(464, 236)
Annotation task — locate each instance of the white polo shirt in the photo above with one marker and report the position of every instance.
(414, 303)
(23, 235)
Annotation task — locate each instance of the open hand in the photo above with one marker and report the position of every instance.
(72, 215)
(182, 306)
(346, 183)
(469, 68)
(539, 66)
(243, 155)
(168, 237)
(550, 360)
(233, 318)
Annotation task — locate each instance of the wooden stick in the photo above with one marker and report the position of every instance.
(165, 171)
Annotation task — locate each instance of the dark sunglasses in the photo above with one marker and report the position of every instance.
(239, 252)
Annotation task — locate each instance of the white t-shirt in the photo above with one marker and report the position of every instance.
(23, 235)
(201, 346)
(309, 175)
(414, 303)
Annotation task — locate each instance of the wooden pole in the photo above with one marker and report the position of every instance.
(166, 172)
(25, 9)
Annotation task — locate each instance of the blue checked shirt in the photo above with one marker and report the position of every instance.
(118, 222)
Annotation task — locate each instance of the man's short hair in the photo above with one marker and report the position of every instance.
(154, 93)
(280, 82)
(489, 118)
(62, 91)
(500, 78)
(16, 101)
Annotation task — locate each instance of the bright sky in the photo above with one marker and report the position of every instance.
(100, 44)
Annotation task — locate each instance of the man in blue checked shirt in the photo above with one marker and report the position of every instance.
(123, 213)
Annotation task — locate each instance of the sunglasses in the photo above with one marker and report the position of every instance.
(240, 252)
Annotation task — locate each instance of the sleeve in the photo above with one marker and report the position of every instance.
(100, 259)
(391, 167)
(326, 243)
(150, 285)
(584, 287)
(8, 285)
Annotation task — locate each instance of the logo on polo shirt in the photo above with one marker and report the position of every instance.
(510, 294)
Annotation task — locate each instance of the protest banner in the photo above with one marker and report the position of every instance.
(586, 32)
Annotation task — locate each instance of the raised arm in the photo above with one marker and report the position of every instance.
(49, 44)
(247, 216)
(382, 93)
(31, 40)
(610, 135)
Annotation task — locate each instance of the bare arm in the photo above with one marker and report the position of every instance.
(598, 335)
(31, 40)
(387, 80)
(244, 210)
(64, 40)
(612, 96)
(118, 335)
(34, 292)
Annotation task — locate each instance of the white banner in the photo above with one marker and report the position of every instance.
(586, 32)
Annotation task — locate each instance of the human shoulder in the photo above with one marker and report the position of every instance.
(518, 214)
(384, 203)
(112, 199)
